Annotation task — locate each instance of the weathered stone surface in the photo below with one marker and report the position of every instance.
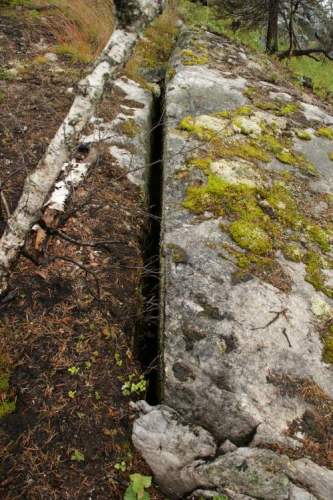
(128, 134)
(240, 337)
(161, 438)
(182, 458)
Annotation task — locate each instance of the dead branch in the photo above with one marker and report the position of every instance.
(305, 52)
(61, 234)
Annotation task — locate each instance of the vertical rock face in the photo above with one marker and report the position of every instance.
(247, 282)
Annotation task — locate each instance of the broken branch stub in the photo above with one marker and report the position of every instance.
(90, 89)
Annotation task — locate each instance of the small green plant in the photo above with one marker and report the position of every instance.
(119, 361)
(5, 75)
(130, 387)
(7, 407)
(121, 466)
(97, 396)
(137, 487)
(72, 394)
(77, 456)
(73, 370)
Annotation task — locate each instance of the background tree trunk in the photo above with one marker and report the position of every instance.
(272, 42)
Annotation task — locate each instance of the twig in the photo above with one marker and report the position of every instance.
(70, 239)
(284, 331)
(276, 317)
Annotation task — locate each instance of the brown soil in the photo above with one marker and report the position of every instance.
(59, 320)
(33, 102)
(67, 330)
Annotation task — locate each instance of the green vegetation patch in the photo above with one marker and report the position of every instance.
(129, 128)
(261, 218)
(325, 132)
(315, 264)
(191, 59)
(304, 135)
(154, 49)
(251, 237)
(327, 339)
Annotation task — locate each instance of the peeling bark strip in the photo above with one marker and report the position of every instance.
(90, 90)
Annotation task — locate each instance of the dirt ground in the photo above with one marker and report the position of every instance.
(34, 99)
(67, 327)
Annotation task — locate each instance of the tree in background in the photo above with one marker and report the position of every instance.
(272, 38)
(285, 20)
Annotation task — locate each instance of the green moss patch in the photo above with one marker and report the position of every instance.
(247, 150)
(191, 58)
(314, 272)
(320, 236)
(325, 132)
(251, 237)
(328, 345)
(304, 135)
(293, 252)
(297, 160)
(129, 128)
(6, 408)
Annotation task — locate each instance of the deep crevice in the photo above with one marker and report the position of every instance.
(147, 337)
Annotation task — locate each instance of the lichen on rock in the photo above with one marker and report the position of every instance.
(254, 297)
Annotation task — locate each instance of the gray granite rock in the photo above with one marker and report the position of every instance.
(236, 345)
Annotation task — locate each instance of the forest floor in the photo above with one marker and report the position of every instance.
(66, 334)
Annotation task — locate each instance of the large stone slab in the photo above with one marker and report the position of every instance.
(246, 276)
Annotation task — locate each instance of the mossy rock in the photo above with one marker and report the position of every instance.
(304, 135)
(192, 59)
(325, 132)
(129, 128)
(293, 252)
(328, 346)
(179, 255)
(250, 236)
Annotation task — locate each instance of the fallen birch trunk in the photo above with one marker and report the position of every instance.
(40, 182)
